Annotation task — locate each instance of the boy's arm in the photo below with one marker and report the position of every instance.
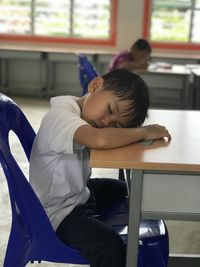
(105, 138)
(131, 65)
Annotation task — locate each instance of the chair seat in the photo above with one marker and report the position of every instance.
(117, 216)
(153, 245)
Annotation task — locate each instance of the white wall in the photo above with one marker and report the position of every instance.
(130, 22)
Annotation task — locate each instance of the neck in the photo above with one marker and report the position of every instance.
(80, 101)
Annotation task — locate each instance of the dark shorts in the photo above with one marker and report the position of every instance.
(96, 240)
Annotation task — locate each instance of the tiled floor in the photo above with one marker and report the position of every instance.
(184, 236)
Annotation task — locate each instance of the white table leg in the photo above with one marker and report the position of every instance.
(134, 218)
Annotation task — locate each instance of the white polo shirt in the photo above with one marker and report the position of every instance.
(59, 168)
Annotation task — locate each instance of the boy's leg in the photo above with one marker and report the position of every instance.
(96, 241)
(106, 192)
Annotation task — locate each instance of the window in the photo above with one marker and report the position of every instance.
(173, 21)
(74, 19)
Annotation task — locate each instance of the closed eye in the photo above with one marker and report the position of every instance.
(109, 109)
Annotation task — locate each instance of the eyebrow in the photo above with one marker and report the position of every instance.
(125, 111)
(123, 114)
(116, 106)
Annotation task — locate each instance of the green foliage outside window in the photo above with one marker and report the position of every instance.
(56, 18)
(173, 20)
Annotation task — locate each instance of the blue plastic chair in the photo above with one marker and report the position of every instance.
(86, 72)
(32, 237)
(12, 118)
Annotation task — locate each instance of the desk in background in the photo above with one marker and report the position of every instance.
(165, 177)
(23, 72)
(196, 88)
(169, 88)
(49, 70)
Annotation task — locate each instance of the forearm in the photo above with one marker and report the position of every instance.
(117, 137)
(105, 138)
(131, 65)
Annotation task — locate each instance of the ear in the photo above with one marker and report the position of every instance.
(95, 84)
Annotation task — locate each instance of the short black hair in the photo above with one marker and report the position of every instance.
(142, 44)
(128, 85)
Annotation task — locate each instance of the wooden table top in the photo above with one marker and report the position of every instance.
(182, 153)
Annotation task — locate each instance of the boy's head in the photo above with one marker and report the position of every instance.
(119, 98)
(141, 51)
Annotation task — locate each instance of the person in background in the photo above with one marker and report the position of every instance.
(110, 115)
(136, 58)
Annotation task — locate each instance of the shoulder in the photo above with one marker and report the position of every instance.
(65, 102)
(64, 110)
(59, 125)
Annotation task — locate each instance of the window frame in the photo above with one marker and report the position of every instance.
(162, 45)
(71, 40)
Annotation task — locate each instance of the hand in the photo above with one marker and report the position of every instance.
(144, 65)
(155, 131)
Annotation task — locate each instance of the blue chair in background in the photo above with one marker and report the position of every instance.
(86, 72)
(32, 237)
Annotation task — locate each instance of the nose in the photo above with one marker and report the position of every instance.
(108, 121)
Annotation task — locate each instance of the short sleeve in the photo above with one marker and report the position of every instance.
(57, 131)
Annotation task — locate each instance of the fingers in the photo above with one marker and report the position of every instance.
(164, 131)
(156, 131)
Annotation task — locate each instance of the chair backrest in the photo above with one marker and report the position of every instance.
(86, 72)
(24, 202)
(12, 118)
(29, 220)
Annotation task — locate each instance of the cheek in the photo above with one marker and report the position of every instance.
(88, 110)
(93, 109)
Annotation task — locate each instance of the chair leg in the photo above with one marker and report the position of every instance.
(16, 253)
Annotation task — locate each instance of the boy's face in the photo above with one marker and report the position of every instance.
(102, 108)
